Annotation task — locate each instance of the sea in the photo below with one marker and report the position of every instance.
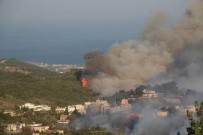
(52, 52)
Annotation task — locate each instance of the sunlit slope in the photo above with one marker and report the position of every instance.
(26, 82)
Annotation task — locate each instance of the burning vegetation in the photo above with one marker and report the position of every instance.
(84, 82)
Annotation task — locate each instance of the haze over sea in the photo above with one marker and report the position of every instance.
(59, 44)
(63, 31)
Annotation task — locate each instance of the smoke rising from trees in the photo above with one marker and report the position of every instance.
(160, 50)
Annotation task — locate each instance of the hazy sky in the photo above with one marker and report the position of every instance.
(66, 12)
(28, 23)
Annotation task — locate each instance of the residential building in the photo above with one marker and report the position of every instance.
(64, 119)
(11, 113)
(39, 128)
(80, 108)
(28, 105)
(14, 128)
(87, 104)
(124, 101)
(149, 94)
(42, 108)
(172, 100)
(104, 105)
(36, 107)
(71, 108)
(59, 110)
(162, 113)
(56, 130)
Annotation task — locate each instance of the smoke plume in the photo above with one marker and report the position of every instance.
(160, 50)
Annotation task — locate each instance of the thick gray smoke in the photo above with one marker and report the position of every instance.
(161, 50)
(192, 77)
(149, 124)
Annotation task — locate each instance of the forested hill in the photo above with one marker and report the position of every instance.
(23, 82)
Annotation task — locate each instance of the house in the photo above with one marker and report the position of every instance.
(80, 108)
(36, 107)
(103, 102)
(162, 113)
(56, 130)
(190, 108)
(124, 101)
(121, 109)
(28, 105)
(59, 110)
(11, 113)
(134, 115)
(98, 106)
(42, 108)
(104, 105)
(149, 94)
(34, 125)
(46, 108)
(71, 108)
(94, 108)
(64, 119)
(39, 128)
(87, 104)
(14, 128)
(172, 100)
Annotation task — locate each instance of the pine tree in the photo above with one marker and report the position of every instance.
(196, 125)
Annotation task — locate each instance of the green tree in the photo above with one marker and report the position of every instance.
(139, 90)
(26, 131)
(66, 112)
(196, 124)
(179, 133)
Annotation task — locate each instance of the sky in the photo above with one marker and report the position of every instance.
(62, 31)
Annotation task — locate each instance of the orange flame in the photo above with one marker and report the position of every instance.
(84, 82)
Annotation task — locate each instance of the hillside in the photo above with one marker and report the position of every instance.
(22, 82)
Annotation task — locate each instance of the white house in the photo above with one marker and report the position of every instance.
(38, 128)
(80, 108)
(71, 108)
(149, 94)
(104, 104)
(34, 125)
(28, 105)
(60, 110)
(162, 113)
(42, 108)
(87, 104)
(11, 113)
(36, 107)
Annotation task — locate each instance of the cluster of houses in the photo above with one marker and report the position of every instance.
(168, 102)
(97, 107)
(14, 128)
(36, 108)
(36, 129)
(12, 113)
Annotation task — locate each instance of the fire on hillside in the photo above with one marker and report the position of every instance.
(84, 82)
